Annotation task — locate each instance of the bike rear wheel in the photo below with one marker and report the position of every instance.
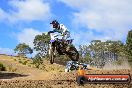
(73, 53)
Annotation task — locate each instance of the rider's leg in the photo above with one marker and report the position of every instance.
(66, 36)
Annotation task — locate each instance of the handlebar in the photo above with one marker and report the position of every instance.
(53, 32)
(50, 32)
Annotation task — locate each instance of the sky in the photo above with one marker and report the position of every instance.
(22, 20)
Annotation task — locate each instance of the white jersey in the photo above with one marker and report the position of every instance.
(63, 28)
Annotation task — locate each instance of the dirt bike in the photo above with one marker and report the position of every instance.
(59, 46)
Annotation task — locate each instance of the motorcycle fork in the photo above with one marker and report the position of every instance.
(54, 50)
(50, 47)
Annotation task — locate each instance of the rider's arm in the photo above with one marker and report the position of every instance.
(50, 32)
(64, 29)
(56, 30)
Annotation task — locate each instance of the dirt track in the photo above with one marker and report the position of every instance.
(57, 84)
(59, 80)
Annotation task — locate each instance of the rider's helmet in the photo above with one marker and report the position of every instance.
(55, 23)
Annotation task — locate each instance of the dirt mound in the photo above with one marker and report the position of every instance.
(53, 67)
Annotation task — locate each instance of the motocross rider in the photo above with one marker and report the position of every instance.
(60, 28)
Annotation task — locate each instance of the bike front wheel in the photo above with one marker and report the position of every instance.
(51, 55)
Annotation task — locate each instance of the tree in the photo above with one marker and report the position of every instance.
(41, 44)
(129, 45)
(104, 52)
(116, 48)
(37, 60)
(97, 49)
(84, 52)
(23, 49)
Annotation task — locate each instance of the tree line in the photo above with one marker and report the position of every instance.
(96, 53)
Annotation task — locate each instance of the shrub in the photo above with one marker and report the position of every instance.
(14, 69)
(20, 61)
(29, 65)
(24, 63)
(2, 67)
(10, 67)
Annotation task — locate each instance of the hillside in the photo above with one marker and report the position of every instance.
(19, 75)
(13, 65)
